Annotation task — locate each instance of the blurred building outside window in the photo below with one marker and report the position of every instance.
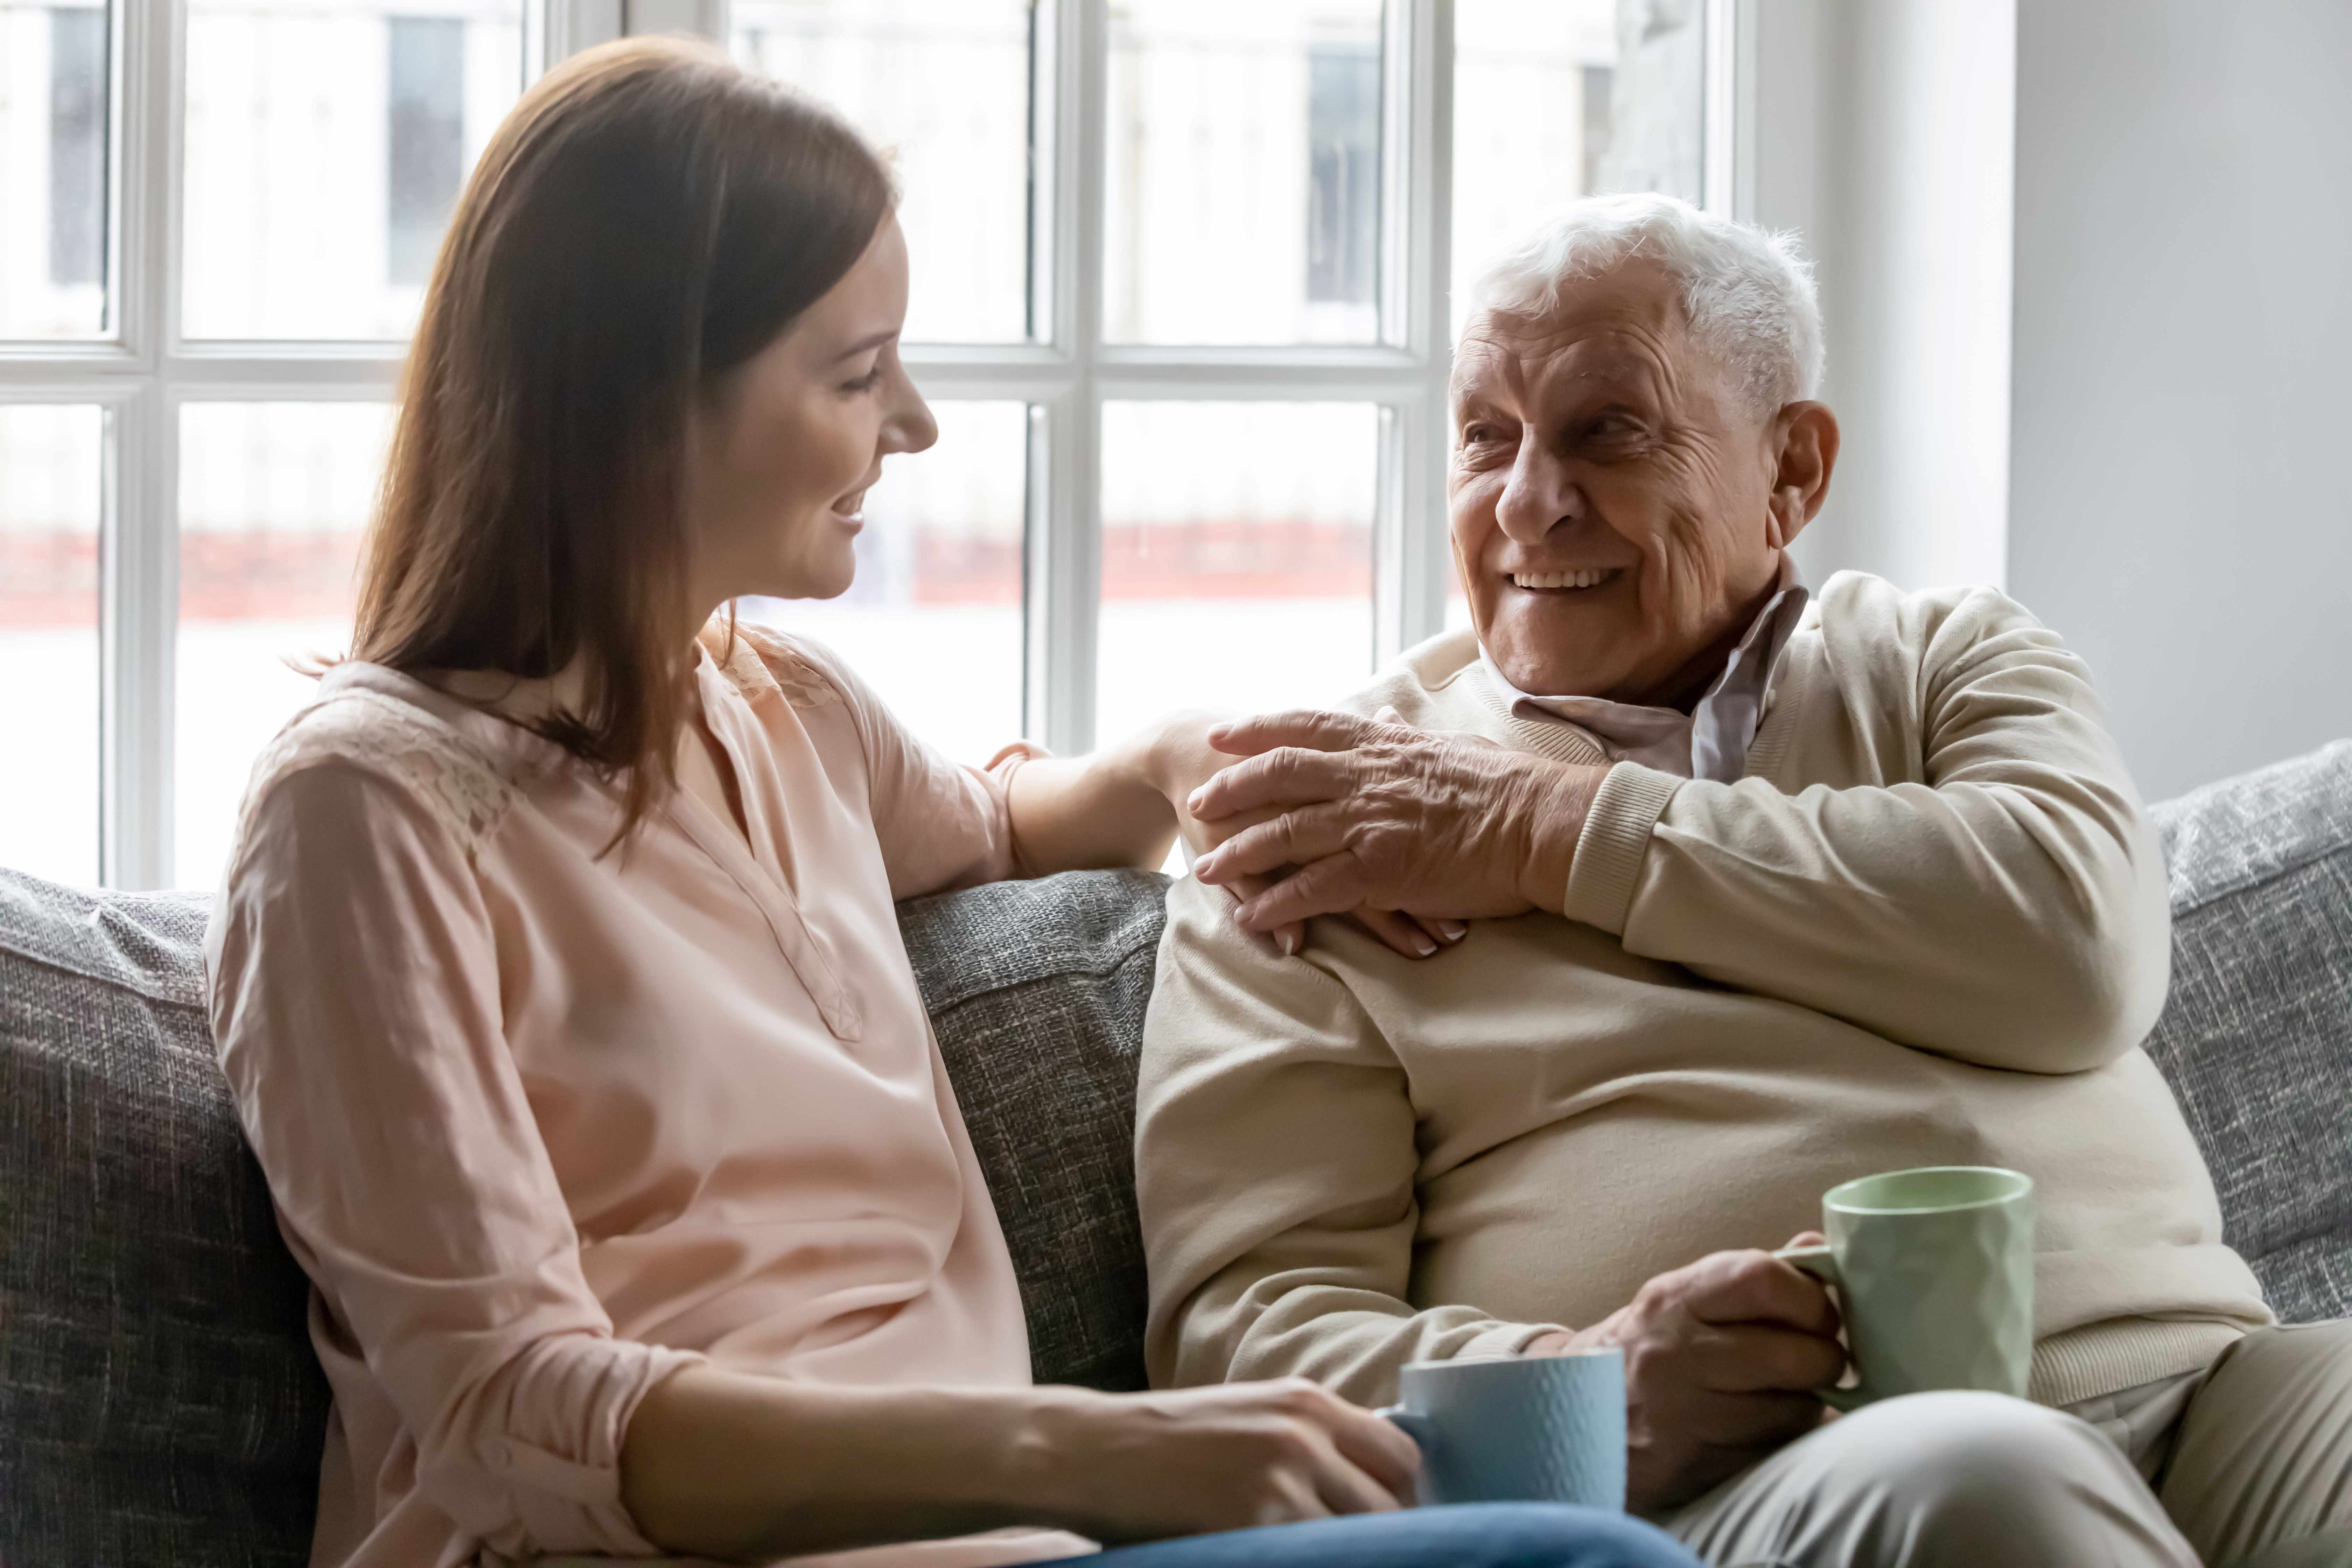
(942, 87)
(273, 501)
(51, 478)
(1343, 156)
(1230, 503)
(53, 147)
(425, 137)
(323, 146)
(78, 146)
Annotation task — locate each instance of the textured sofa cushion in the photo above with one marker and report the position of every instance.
(159, 1402)
(2256, 1037)
(1038, 991)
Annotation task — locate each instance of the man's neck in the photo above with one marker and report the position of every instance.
(1682, 690)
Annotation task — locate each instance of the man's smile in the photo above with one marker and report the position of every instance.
(1566, 582)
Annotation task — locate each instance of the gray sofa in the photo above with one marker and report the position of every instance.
(158, 1400)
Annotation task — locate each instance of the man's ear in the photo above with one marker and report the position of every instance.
(1807, 435)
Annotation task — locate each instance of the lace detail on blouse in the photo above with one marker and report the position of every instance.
(466, 790)
(762, 661)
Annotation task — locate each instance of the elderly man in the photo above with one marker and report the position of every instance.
(1770, 891)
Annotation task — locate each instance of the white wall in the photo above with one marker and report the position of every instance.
(2183, 391)
(1882, 135)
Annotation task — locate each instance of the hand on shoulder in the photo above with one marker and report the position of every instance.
(1185, 755)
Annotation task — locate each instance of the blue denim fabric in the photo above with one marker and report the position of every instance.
(1468, 1535)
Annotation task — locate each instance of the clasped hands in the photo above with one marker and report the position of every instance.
(1411, 833)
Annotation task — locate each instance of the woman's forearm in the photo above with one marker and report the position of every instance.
(745, 1468)
(1109, 808)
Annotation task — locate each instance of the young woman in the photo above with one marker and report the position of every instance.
(556, 974)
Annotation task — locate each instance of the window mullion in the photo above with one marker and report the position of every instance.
(141, 557)
(1414, 554)
(1734, 92)
(700, 18)
(140, 163)
(1065, 575)
(565, 27)
(139, 554)
(1719, 169)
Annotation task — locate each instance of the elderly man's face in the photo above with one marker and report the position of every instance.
(1617, 511)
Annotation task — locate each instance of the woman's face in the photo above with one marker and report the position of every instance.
(786, 446)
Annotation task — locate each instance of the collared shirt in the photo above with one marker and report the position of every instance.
(1711, 741)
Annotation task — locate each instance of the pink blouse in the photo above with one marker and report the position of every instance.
(544, 1126)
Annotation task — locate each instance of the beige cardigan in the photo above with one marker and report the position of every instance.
(1928, 928)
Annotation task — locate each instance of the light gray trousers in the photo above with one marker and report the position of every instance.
(2255, 1470)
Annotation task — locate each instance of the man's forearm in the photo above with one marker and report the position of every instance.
(1981, 923)
(1335, 1334)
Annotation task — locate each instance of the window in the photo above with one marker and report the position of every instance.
(321, 149)
(273, 497)
(425, 141)
(1178, 303)
(944, 86)
(76, 145)
(1236, 555)
(54, 103)
(1343, 159)
(1243, 181)
(50, 482)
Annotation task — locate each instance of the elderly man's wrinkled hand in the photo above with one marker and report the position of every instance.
(1723, 1358)
(1377, 814)
(1179, 758)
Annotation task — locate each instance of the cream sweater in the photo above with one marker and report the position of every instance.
(1928, 928)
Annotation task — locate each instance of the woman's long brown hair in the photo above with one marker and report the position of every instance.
(648, 219)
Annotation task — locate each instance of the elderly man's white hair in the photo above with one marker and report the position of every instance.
(1748, 293)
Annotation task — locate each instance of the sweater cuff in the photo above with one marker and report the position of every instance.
(1503, 1340)
(1616, 835)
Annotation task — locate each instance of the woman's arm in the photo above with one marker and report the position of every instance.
(1112, 807)
(743, 1468)
(354, 999)
(1030, 813)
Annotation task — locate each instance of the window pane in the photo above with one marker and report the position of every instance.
(934, 619)
(1236, 556)
(1555, 99)
(943, 87)
(273, 498)
(1243, 182)
(326, 144)
(53, 92)
(50, 486)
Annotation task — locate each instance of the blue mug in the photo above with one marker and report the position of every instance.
(1521, 1429)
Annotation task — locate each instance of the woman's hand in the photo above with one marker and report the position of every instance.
(1175, 758)
(1125, 1468)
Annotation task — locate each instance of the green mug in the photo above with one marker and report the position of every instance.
(1934, 1271)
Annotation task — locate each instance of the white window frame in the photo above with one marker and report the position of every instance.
(145, 371)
